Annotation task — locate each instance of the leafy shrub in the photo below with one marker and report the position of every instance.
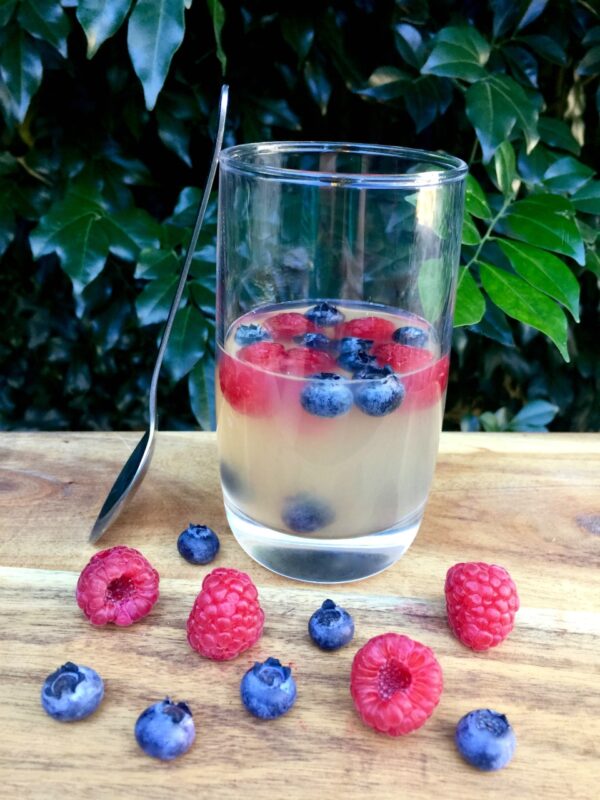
(108, 112)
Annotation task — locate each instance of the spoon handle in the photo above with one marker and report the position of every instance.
(189, 255)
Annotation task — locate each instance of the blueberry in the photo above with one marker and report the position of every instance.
(331, 627)
(316, 341)
(72, 692)
(352, 344)
(485, 739)
(327, 395)
(305, 514)
(355, 361)
(372, 371)
(268, 690)
(251, 334)
(409, 334)
(198, 544)
(324, 314)
(380, 396)
(165, 730)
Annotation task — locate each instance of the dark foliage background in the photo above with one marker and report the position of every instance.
(108, 117)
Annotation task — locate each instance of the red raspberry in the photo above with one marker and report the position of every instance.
(374, 328)
(266, 355)
(247, 389)
(289, 324)
(226, 618)
(117, 585)
(395, 683)
(425, 387)
(481, 601)
(402, 357)
(306, 361)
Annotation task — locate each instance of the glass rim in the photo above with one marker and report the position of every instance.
(451, 168)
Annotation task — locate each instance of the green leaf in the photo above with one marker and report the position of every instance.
(523, 65)
(318, 84)
(544, 271)
(217, 13)
(592, 260)
(426, 98)
(385, 83)
(534, 416)
(432, 282)
(475, 200)
(299, 33)
(153, 302)
(532, 167)
(153, 263)
(154, 33)
(46, 20)
(203, 296)
(6, 11)
(592, 36)
(494, 325)
(544, 220)
(567, 175)
(201, 386)
(470, 234)
(132, 230)
(494, 106)
(20, 69)
(522, 302)
(546, 47)
(505, 168)
(590, 63)
(587, 199)
(557, 133)
(531, 11)
(470, 303)
(187, 343)
(409, 44)
(101, 19)
(458, 52)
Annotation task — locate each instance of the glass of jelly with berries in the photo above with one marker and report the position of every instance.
(337, 268)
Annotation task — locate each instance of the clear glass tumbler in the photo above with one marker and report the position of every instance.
(337, 268)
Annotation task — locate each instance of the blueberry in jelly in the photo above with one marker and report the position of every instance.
(356, 361)
(324, 314)
(411, 335)
(380, 396)
(352, 344)
(327, 395)
(372, 371)
(316, 341)
(305, 514)
(251, 334)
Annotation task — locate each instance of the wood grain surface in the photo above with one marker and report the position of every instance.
(529, 502)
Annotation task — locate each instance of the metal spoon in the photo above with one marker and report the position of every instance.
(138, 462)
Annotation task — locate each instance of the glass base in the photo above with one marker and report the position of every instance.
(322, 560)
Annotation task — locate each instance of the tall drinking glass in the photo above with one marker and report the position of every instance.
(336, 279)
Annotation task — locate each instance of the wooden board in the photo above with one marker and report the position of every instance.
(528, 502)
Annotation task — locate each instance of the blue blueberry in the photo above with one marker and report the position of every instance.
(411, 335)
(352, 344)
(72, 692)
(198, 544)
(485, 739)
(251, 334)
(354, 360)
(372, 371)
(316, 341)
(380, 396)
(327, 395)
(165, 730)
(331, 627)
(324, 314)
(268, 690)
(305, 514)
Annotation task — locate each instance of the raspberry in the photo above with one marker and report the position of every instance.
(118, 585)
(266, 355)
(226, 618)
(289, 324)
(402, 357)
(481, 601)
(247, 389)
(425, 387)
(395, 683)
(305, 361)
(374, 328)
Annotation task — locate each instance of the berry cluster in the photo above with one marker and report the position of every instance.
(366, 362)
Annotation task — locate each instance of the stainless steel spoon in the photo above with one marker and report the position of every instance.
(138, 462)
